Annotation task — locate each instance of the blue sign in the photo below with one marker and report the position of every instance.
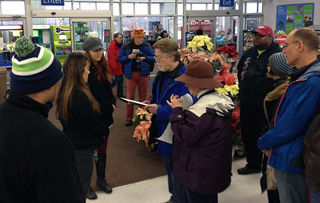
(226, 3)
(292, 16)
(52, 2)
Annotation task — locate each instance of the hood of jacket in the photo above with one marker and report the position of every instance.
(313, 70)
(277, 92)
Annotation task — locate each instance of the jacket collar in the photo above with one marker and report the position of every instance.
(173, 74)
(298, 73)
(272, 46)
(28, 103)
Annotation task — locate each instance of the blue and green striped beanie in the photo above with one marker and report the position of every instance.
(34, 68)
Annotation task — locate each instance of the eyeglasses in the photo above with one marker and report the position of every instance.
(158, 58)
(285, 45)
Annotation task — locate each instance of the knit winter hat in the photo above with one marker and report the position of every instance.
(34, 68)
(278, 64)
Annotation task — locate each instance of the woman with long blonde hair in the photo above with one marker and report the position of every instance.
(99, 82)
(78, 113)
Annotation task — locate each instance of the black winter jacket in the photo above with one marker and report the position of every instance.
(37, 161)
(252, 69)
(102, 92)
(83, 126)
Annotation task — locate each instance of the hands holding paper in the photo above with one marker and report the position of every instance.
(175, 101)
(152, 108)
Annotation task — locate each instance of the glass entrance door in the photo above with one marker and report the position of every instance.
(227, 30)
(84, 28)
(152, 27)
(10, 31)
(205, 25)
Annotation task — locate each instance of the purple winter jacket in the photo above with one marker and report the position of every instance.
(202, 144)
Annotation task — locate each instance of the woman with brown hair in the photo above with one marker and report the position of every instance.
(78, 113)
(99, 82)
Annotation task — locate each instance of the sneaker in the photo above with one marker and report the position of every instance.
(247, 171)
(128, 123)
(91, 194)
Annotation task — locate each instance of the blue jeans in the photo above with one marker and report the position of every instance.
(167, 163)
(292, 187)
(118, 79)
(315, 197)
(184, 195)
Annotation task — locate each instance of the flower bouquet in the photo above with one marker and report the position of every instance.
(200, 43)
(142, 122)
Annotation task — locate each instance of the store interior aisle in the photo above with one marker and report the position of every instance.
(243, 189)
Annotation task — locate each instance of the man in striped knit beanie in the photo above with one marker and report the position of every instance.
(37, 162)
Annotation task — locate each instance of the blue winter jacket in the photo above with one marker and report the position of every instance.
(296, 111)
(164, 110)
(145, 50)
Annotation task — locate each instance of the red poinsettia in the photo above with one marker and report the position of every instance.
(229, 51)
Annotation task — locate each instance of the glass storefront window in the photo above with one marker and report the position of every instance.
(216, 7)
(180, 9)
(155, 9)
(141, 9)
(260, 7)
(67, 6)
(199, 7)
(87, 6)
(251, 7)
(76, 6)
(116, 26)
(116, 9)
(6, 8)
(103, 6)
(127, 8)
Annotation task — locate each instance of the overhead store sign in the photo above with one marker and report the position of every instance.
(52, 2)
(226, 3)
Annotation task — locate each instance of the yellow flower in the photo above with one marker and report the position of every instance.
(192, 45)
(222, 90)
(207, 39)
(209, 46)
(233, 89)
(196, 38)
(200, 43)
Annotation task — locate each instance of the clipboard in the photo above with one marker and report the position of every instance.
(129, 101)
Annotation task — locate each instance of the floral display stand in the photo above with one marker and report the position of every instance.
(223, 59)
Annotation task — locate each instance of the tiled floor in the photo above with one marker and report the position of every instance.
(243, 189)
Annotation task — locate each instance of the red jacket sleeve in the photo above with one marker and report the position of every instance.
(112, 56)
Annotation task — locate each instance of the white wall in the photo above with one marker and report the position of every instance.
(270, 10)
